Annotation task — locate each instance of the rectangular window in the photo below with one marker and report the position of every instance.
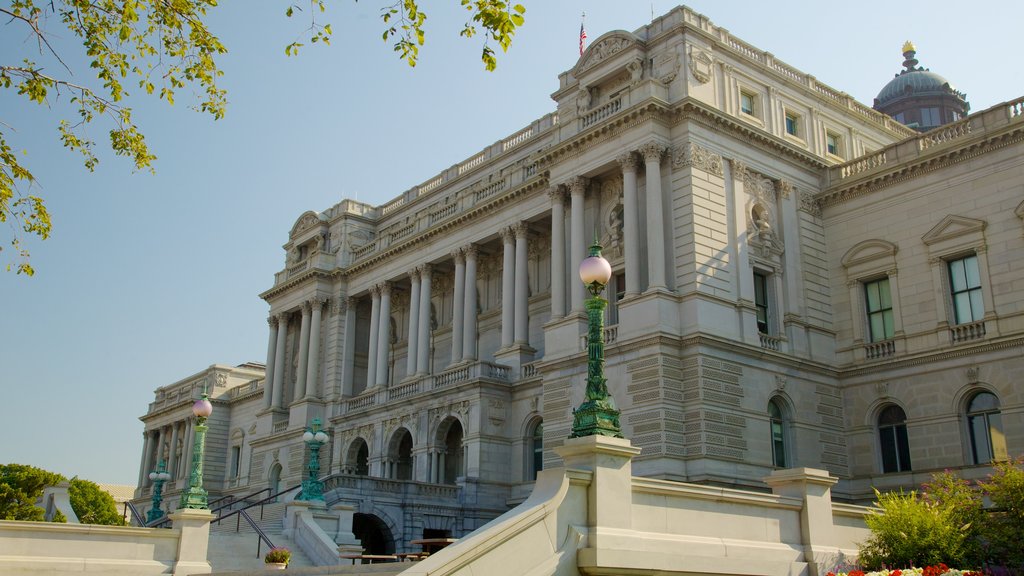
(965, 286)
(761, 301)
(792, 124)
(832, 143)
(879, 308)
(618, 288)
(236, 457)
(747, 103)
(900, 118)
(930, 117)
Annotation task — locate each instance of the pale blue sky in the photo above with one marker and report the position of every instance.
(150, 278)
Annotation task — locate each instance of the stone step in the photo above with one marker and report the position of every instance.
(270, 521)
(230, 552)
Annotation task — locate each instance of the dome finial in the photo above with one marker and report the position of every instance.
(908, 54)
(908, 46)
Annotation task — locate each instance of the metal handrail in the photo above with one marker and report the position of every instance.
(135, 513)
(259, 532)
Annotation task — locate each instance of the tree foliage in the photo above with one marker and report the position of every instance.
(20, 487)
(92, 504)
(1004, 527)
(159, 48)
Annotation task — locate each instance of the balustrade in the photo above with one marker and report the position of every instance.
(600, 113)
(967, 332)
(945, 134)
(879, 350)
(769, 342)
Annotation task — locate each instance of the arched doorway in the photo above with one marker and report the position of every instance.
(400, 455)
(373, 534)
(275, 479)
(358, 460)
(454, 465)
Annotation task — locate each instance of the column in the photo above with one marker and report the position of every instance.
(384, 334)
(282, 339)
(349, 347)
(508, 270)
(184, 471)
(578, 246)
(652, 152)
(423, 340)
(557, 252)
(154, 454)
(433, 467)
(300, 376)
(371, 357)
(412, 349)
(172, 457)
(469, 312)
(458, 303)
(268, 374)
(313, 363)
(631, 226)
(522, 320)
(147, 453)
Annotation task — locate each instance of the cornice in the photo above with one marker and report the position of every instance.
(292, 283)
(904, 171)
(540, 181)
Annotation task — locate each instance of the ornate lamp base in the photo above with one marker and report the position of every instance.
(596, 417)
(194, 498)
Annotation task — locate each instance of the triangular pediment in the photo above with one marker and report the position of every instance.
(952, 227)
(869, 250)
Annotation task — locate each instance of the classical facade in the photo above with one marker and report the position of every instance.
(799, 281)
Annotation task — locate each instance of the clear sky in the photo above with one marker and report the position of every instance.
(148, 279)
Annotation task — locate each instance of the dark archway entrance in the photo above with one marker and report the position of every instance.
(373, 534)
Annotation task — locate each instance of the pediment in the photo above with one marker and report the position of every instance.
(308, 220)
(952, 227)
(867, 251)
(607, 46)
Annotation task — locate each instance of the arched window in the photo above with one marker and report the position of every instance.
(536, 451)
(985, 426)
(892, 435)
(403, 461)
(453, 461)
(778, 433)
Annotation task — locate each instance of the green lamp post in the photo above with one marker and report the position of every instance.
(312, 487)
(195, 496)
(597, 415)
(158, 476)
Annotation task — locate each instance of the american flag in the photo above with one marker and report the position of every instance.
(583, 38)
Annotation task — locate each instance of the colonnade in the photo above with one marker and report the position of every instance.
(515, 287)
(306, 378)
(154, 443)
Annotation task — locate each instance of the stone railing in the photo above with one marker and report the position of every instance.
(600, 113)
(415, 386)
(246, 388)
(404, 390)
(472, 163)
(360, 402)
(967, 332)
(611, 335)
(979, 125)
(880, 350)
(529, 370)
(490, 189)
(944, 134)
(442, 213)
(406, 488)
(769, 342)
(517, 139)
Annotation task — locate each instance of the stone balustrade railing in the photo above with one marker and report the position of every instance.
(414, 386)
(978, 125)
(967, 332)
(769, 342)
(406, 488)
(879, 350)
(600, 113)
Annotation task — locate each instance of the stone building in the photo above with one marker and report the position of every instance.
(799, 281)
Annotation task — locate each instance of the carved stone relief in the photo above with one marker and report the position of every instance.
(691, 154)
(701, 65)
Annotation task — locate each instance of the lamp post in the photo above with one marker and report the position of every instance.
(158, 476)
(195, 496)
(597, 415)
(314, 437)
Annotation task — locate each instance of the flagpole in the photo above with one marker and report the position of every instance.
(583, 32)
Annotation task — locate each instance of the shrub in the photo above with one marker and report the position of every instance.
(913, 531)
(279, 555)
(963, 505)
(1004, 527)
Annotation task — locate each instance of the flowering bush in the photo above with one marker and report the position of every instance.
(934, 570)
(279, 555)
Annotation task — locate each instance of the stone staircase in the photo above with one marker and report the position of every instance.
(234, 550)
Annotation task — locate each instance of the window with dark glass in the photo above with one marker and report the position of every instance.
(778, 434)
(792, 124)
(930, 117)
(832, 143)
(879, 308)
(747, 103)
(965, 286)
(892, 434)
(236, 457)
(761, 300)
(985, 425)
(537, 450)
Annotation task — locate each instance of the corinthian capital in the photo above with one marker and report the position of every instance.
(629, 162)
(556, 194)
(471, 251)
(507, 234)
(578, 185)
(272, 321)
(458, 255)
(652, 151)
(414, 273)
(521, 229)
